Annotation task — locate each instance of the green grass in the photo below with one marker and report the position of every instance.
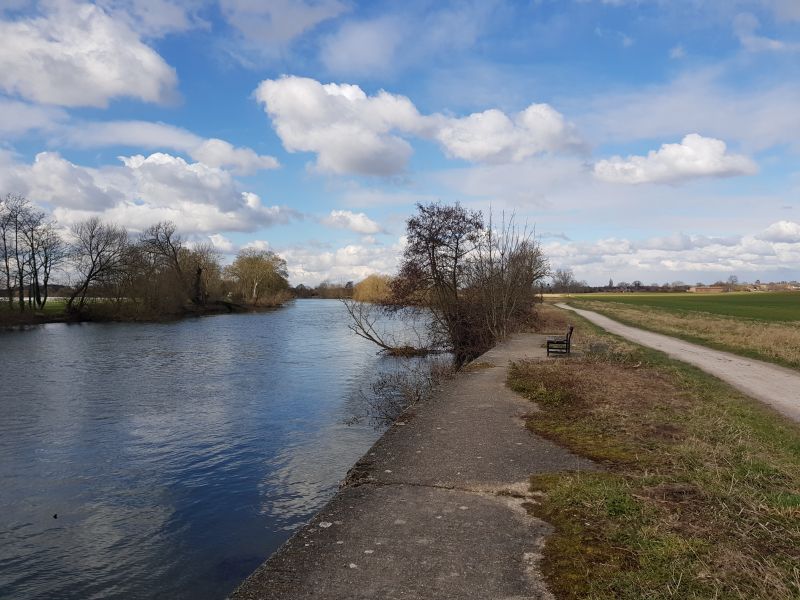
(762, 306)
(698, 495)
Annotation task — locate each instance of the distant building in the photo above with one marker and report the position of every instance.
(707, 289)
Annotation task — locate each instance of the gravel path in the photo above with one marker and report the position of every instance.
(777, 386)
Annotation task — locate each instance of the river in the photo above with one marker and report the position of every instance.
(168, 460)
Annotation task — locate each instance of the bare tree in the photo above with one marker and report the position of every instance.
(433, 273)
(98, 251)
(506, 266)
(164, 244)
(370, 322)
(8, 207)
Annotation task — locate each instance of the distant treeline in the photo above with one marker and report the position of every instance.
(116, 274)
(374, 288)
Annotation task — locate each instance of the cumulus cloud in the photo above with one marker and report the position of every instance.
(696, 156)
(351, 132)
(680, 256)
(242, 161)
(782, 232)
(222, 244)
(144, 134)
(492, 136)
(311, 265)
(356, 222)
(78, 55)
(145, 189)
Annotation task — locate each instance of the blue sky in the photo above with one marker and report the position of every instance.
(644, 139)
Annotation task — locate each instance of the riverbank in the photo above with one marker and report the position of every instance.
(53, 314)
(437, 507)
(625, 474)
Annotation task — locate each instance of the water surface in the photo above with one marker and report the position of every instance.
(176, 456)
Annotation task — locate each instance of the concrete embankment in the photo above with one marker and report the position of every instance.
(435, 509)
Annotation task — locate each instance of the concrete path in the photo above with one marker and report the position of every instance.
(435, 508)
(777, 386)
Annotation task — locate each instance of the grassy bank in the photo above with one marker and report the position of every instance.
(699, 492)
(106, 311)
(760, 306)
(761, 338)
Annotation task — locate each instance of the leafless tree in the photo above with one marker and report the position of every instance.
(371, 322)
(9, 208)
(98, 251)
(166, 246)
(507, 264)
(476, 283)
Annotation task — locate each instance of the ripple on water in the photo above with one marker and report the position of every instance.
(177, 456)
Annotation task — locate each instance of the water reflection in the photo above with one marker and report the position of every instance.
(176, 456)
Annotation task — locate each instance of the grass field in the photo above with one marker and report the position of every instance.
(761, 306)
(699, 491)
(765, 326)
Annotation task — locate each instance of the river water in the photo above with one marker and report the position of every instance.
(169, 460)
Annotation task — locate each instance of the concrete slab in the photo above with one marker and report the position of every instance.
(435, 508)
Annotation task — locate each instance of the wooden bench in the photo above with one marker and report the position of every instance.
(560, 345)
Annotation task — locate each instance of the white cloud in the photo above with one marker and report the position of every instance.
(199, 198)
(492, 136)
(274, 24)
(352, 132)
(140, 134)
(156, 18)
(404, 38)
(221, 243)
(212, 152)
(353, 262)
(687, 257)
(782, 232)
(745, 26)
(349, 131)
(258, 245)
(20, 117)
(242, 161)
(52, 179)
(77, 55)
(756, 117)
(696, 156)
(356, 222)
(364, 47)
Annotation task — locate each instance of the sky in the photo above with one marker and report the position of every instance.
(651, 140)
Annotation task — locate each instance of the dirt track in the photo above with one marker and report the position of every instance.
(777, 386)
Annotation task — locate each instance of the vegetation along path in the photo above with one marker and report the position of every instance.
(772, 384)
(438, 507)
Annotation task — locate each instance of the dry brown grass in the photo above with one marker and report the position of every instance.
(775, 342)
(700, 492)
(549, 319)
